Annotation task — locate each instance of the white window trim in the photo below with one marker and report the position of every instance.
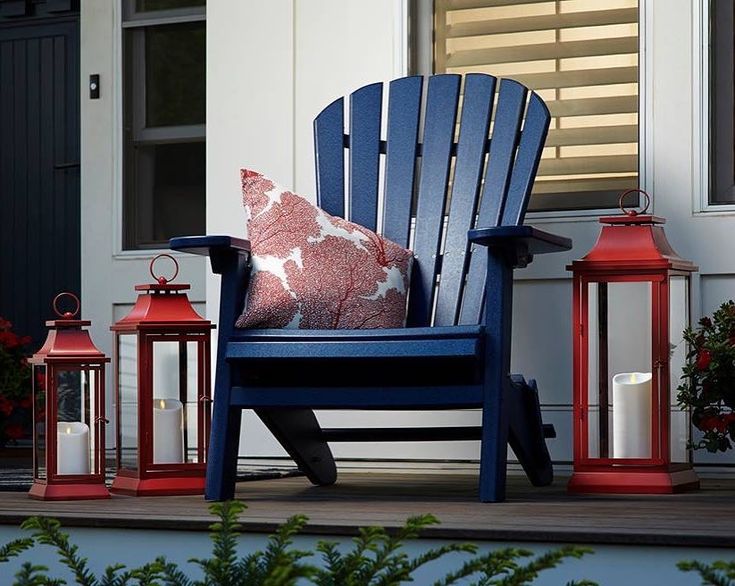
(701, 116)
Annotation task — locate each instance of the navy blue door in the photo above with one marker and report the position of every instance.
(39, 162)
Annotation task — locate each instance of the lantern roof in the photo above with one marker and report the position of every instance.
(632, 241)
(67, 340)
(162, 305)
(155, 308)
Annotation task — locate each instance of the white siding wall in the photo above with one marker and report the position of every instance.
(108, 273)
(266, 82)
(271, 66)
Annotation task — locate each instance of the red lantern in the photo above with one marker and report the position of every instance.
(68, 412)
(630, 307)
(162, 392)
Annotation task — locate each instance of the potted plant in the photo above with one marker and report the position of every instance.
(708, 386)
(16, 408)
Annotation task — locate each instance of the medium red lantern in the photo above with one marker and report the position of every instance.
(630, 307)
(162, 392)
(68, 411)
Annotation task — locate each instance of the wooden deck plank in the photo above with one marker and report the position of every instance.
(705, 518)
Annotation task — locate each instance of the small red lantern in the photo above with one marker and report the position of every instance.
(68, 412)
(630, 307)
(162, 392)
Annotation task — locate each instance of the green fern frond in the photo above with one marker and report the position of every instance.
(15, 548)
(711, 575)
(48, 532)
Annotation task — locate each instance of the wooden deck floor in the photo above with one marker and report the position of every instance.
(705, 518)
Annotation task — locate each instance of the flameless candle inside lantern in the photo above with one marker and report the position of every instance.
(168, 431)
(72, 447)
(632, 415)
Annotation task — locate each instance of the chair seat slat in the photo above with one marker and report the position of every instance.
(296, 350)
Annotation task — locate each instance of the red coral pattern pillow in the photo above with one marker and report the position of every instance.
(311, 270)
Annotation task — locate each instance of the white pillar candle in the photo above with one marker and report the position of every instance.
(168, 431)
(72, 447)
(632, 415)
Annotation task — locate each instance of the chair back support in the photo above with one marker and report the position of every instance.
(448, 185)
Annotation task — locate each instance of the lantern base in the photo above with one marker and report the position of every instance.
(167, 486)
(67, 492)
(633, 482)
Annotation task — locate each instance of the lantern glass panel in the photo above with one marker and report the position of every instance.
(175, 401)
(39, 420)
(619, 370)
(678, 322)
(127, 384)
(75, 414)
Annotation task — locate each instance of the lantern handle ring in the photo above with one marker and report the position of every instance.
(161, 279)
(66, 314)
(632, 212)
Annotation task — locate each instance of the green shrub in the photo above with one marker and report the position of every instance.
(375, 559)
(715, 574)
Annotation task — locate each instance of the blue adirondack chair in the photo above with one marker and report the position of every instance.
(455, 351)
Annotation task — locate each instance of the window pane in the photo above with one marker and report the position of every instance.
(723, 99)
(167, 193)
(581, 56)
(146, 5)
(175, 79)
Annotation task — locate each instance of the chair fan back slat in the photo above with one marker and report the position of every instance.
(365, 111)
(535, 128)
(479, 91)
(503, 145)
(404, 110)
(329, 153)
(438, 138)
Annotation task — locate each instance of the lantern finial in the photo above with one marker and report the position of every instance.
(632, 212)
(161, 280)
(66, 314)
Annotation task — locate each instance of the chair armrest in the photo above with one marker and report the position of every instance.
(206, 245)
(223, 251)
(521, 242)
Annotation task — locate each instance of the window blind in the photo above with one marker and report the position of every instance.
(581, 56)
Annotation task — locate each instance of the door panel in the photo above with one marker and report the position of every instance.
(39, 169)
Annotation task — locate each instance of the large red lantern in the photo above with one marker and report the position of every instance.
(162, 392)
(630, 307)
(68, 411)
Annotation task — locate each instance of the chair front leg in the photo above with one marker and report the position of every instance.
(495, 420)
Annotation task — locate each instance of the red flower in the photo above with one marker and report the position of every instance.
(14, 431)
(706, 322)
(6, 407)
(5, 325)
(9, 340)
(713, 423)
(703, 359)
(25, 403)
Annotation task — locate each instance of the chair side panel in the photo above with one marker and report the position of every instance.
(365, 111)
(329, 158)
(438, 137)
(477, 103)
(404, 110)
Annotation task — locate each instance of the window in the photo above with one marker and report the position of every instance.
(581, 56)
(164, 88)
(722, 137)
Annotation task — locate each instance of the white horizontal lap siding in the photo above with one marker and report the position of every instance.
(272, 66)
